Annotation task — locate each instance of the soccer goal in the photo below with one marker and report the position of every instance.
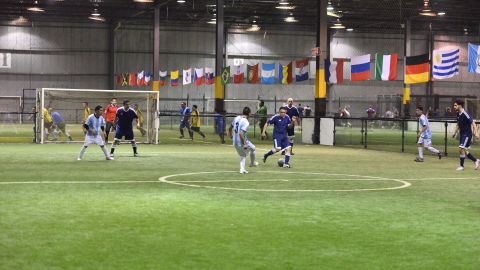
(69, 104)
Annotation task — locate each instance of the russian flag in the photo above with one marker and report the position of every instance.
(209, 76)
(198, 76)
(334, 71)
(360, 68)
(301, 70)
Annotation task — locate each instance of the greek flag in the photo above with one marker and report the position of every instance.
(445, 63)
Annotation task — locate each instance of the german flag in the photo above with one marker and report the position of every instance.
(417, 69)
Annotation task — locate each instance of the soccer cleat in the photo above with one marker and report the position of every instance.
(112, 155)
(417, 159)
(286, 165)
(243, 172)
(135, 154)
(181, 137)
(460, 168)
(110, 158)
(79, 159)
(477, 164)
(254, 164)
(440, 155)
(264, 158)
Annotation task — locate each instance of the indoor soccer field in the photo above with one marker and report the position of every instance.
(184, 205)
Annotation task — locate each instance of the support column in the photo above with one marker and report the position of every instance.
(407, 50)
(156, 45)
(111, 56)
(322, 42)
(429, 91)
(219, 57)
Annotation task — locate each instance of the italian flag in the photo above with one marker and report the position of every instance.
(386, 67)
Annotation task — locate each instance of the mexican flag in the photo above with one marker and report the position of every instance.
(386, 67)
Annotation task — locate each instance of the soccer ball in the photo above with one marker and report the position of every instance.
(281, 162)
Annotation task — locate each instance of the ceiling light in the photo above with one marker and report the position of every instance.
(97, 18)
(283, 3)
(337, 27)
(95, 13)
(20, 20)
(285, 7)
(441, 13)
(330, 8)
(181, 1)
(253, 28)
(290, 19)
(428, 13)
(143, 1)
(349, 29)
(332, 14)
(212, 22)
(35, 8)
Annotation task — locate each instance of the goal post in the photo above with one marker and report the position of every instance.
(68, 103)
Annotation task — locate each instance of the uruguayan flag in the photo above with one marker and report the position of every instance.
(445, 63)
(473, 58)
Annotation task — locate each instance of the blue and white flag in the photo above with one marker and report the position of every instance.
(473, 58)
(268, 73)
(445, 63)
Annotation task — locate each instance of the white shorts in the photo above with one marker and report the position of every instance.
(243, 152)
(425, 142)
(93, 139)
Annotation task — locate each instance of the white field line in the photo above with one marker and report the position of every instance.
(279, 180)
(74, 182)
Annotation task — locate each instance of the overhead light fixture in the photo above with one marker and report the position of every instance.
(97, 18)
(95, 13)
(20, 20)
(285, 7)
(212, 22)
(428, 13)
(35, 8)
(181, 1)
(283, 2)
(143, 1)
(332, 14)
(349, 29)
(290, 19)
(253, 28)
(337, 25)
(441, 13)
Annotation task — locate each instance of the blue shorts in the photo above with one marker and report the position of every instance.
(281, 143)
(128, 134)
(219, 127)
(465, 141)
(184, 124)
(290, 132)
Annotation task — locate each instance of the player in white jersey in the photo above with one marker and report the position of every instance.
(240, 141)
(424, 136)
(93, 125)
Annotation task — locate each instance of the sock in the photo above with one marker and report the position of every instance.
(471, 157)
(271, 152)
(252, 157)
(134, 146)
(181, 132)
(242, 163)
(287, 158)
(104, 149)
(82, 151)
(113, 147)
(420, 152)
(462, 160)
(433, 150)
(291, 147)
(106, 137)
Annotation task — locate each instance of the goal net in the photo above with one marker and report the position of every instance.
(69, 104)
(233, 106)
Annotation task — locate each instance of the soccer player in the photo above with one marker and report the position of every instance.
(86, 113)
(140, 119)
(123, 122)
(219, 121)
(58, 123)
(196, 122)
(185, 121)
(93, 125)
(292, 112)
(281, 122)
(262, 115)
(110, 114)
(424, 136)
(240, 141)
(47, 122)
(466, 126)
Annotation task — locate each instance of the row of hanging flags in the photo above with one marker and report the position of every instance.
(417, 70)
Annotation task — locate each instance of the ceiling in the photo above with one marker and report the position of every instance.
(386, 16)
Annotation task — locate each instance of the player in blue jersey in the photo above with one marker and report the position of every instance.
(58, 125)
(424, 136)
(186, 112)
(123, 122)
(281, 122)
(292, 112)
(240, 141)
(93, 126)
(219, 120)
(467, 128)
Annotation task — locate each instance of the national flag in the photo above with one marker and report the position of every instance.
(125, 79)
(386, 67)
(148, 78)
(445, 63)
(417, 69)
(140, 76)
(119, 79)
(473, 58)
(187, 76)
(131, 79)
(268, 73)
(252, 74)
(163, 78)
(209, 76)
(285, 73)
(301, 70)
(239, 74)
(360, 68)
(174, 77)
(198, 76)
(225, 75)
(334, 71)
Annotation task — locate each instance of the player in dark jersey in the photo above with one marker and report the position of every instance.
(281, 123)
(123, 122)
(467, 128)
(293, 113)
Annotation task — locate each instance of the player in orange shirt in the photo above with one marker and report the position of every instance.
(109, 115)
